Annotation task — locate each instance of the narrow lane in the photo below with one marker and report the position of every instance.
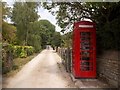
(41, 72)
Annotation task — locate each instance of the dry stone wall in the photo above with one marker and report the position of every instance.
(107, 65)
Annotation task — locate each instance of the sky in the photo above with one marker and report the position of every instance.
(44, 14)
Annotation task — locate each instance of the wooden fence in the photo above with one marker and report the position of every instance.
(66, 55)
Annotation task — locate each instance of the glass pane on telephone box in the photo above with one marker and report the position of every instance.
(85, 58)
(85, 55)
(85, 40)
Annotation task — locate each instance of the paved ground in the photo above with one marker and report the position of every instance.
(46, 71)
(41, 72)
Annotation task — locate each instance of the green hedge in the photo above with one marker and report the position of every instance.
(19, 51)
(9, 52)
(22, 51)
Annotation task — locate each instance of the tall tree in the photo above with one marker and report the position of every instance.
(107, 16)
(5, 10)
(56, 40)
(41, 33)
(23, 14)
(67, 12)
(103, 13)
(8, 33)
(48, 31)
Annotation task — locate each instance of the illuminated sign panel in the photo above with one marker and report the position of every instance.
(86, 26)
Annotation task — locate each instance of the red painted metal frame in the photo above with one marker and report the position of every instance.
(76, 52)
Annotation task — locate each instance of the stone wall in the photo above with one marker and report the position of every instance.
(107, 66)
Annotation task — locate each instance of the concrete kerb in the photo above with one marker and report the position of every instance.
(89, 83)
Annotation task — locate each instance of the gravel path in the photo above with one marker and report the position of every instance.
(41, 72)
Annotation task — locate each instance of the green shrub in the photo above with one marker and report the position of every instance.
(29, 49)
(17, 51)
(23, 51)
(9, 52)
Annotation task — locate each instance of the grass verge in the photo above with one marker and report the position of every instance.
(18, 63)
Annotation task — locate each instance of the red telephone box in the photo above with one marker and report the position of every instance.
(84, 50)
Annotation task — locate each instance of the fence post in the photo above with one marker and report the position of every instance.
(66, 55)
(68, 60)
(71, 60)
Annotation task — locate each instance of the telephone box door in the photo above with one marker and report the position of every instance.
(87, 54)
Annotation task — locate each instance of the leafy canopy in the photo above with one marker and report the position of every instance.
(23, 14)
(106, 15)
